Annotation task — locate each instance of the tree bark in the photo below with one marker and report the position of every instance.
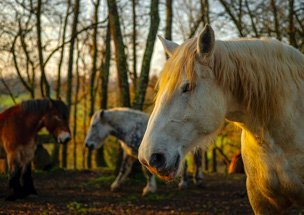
(44, 84)
(214, 161)
(292, 32)
(120, 56)
(70, 71)
(145, 68)
(58, 87)
(75, 123)
(105, 70)
(94, 59)
(169, 18)
(56, 150)
(134, 44)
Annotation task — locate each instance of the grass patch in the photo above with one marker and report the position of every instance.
(79, 207)
(156, 197)
(102, 180)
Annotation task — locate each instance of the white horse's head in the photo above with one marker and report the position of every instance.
(98, 131)
(190, 106)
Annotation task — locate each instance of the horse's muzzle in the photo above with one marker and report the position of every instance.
(157, 165)
(64, 137)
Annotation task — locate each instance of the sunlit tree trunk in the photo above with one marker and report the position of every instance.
(120, 56)
(70, 71)
(94, 59)
(145, 68)
(76, 101)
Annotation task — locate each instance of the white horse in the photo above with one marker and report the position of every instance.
(129, 126)
(256, 83)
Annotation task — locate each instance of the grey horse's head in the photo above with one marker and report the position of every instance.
(98, 131)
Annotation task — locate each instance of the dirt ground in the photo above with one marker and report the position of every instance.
(87, 192)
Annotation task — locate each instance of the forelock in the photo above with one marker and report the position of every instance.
(179, 65)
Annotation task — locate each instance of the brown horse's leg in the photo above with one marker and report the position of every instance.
(28, 186)
(14, 182)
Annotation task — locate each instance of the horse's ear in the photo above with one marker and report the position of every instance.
(101, 114)
(168, 45)
(206, 41)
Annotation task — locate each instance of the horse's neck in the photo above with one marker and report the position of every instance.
(35, 121)
(117, 122)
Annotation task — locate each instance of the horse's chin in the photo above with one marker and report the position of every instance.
(169, 173)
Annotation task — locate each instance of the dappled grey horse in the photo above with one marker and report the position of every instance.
(129, 127)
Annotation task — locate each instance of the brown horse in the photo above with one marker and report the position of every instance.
(19, 126)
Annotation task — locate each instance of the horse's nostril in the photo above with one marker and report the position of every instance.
(67, 139)
(157, 160)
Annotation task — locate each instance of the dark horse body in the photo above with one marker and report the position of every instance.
(19, 126)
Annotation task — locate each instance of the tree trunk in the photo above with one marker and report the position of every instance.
(85, 115)
(94, 59)
(75, 123)
(56, 150)
(105, 69)
(145, 68)
(206, 161)
(134, 45)
(169, 18)
(70, 72)
(44, 84)
(214, 161)
(292, 32)
(120, 56)
(58, 87)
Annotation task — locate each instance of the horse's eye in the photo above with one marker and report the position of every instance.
(185, 87)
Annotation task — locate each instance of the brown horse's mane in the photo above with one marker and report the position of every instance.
(42, 106)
